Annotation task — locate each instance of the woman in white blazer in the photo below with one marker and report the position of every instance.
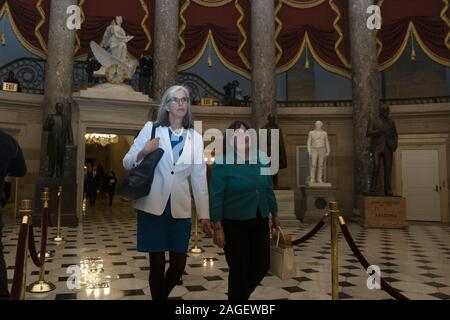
(164, 216)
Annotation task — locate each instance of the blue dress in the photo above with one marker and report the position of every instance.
(164, 233)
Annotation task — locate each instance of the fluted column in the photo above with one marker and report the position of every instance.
(59, 67)
(166, 46)
(263, 61)
(366, 89)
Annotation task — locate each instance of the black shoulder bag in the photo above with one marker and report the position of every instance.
(138, 182)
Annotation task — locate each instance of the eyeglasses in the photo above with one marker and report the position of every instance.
(176, 100)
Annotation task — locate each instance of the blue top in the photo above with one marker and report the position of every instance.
(177, 142)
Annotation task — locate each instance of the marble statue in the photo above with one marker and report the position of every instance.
(384, 142)
(319, 150)
(114, 51)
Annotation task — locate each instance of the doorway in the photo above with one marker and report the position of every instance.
(103, 169)
(421, 176)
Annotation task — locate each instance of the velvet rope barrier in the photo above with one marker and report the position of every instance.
(21, 255)
(312, 233)
(39, 260)
(384, 285)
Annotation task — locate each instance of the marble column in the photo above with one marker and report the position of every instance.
(59, 67)
(166, 46)
(61, 45)
(366, 90)
(264, 94)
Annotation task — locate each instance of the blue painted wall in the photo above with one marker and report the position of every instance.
(219, 75)
(13, 49)
(328, 86)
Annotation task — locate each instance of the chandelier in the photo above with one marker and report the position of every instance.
(101, 139)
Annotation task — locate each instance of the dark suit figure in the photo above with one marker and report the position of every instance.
(92, 184)
(92, 66)
(384, 142)
(112, 182)
(12, 163)
(272, 124)
(59, 135)
(146, 72)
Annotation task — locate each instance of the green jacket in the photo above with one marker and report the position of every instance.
(238, 190)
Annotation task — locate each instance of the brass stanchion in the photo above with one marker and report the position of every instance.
(59, 237)
(26, 210)
(84, 204)
(48, 254)
(42, 286)
(16, 196)
(196, 249)
(334, 215)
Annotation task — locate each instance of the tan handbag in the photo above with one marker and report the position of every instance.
(282, 257)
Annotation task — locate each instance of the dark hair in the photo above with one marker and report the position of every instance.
(235, 125)
(238, 124)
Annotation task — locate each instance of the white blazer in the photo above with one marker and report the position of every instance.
(171, 179)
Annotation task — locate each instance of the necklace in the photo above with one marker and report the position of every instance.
(177, 132)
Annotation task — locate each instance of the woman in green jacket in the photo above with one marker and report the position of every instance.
(241, 200)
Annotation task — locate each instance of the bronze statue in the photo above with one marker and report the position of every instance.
(59, 135)
(271, 124)
(146, 73)
(384, 142)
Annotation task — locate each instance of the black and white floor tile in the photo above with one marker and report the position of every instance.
(415, 261)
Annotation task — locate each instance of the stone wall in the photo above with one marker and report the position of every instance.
(20, 114)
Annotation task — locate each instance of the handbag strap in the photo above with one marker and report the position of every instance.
(279, 231)
(153, 131)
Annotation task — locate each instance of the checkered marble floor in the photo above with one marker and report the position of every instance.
(415, 261)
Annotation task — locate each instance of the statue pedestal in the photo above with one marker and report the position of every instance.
(113, 92)
(314, 202)
(70, 162)
(384, 212)
(286, 207)
(68, 201)
(319, 185)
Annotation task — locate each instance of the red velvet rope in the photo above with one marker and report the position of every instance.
(19, 266)
(310, 234)
(39, 261)
(384, 285)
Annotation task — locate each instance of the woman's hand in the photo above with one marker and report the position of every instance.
(219, 238)
(276, 223)
(206, 227)
(149, 147)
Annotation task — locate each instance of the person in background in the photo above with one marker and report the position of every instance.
(92, 185)
(164, 216)
(11, 163)
(146, 71)
(241, 200)
(236, 93)
(7, 191)
(92, 66)
(112, 182)
(100, 176)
